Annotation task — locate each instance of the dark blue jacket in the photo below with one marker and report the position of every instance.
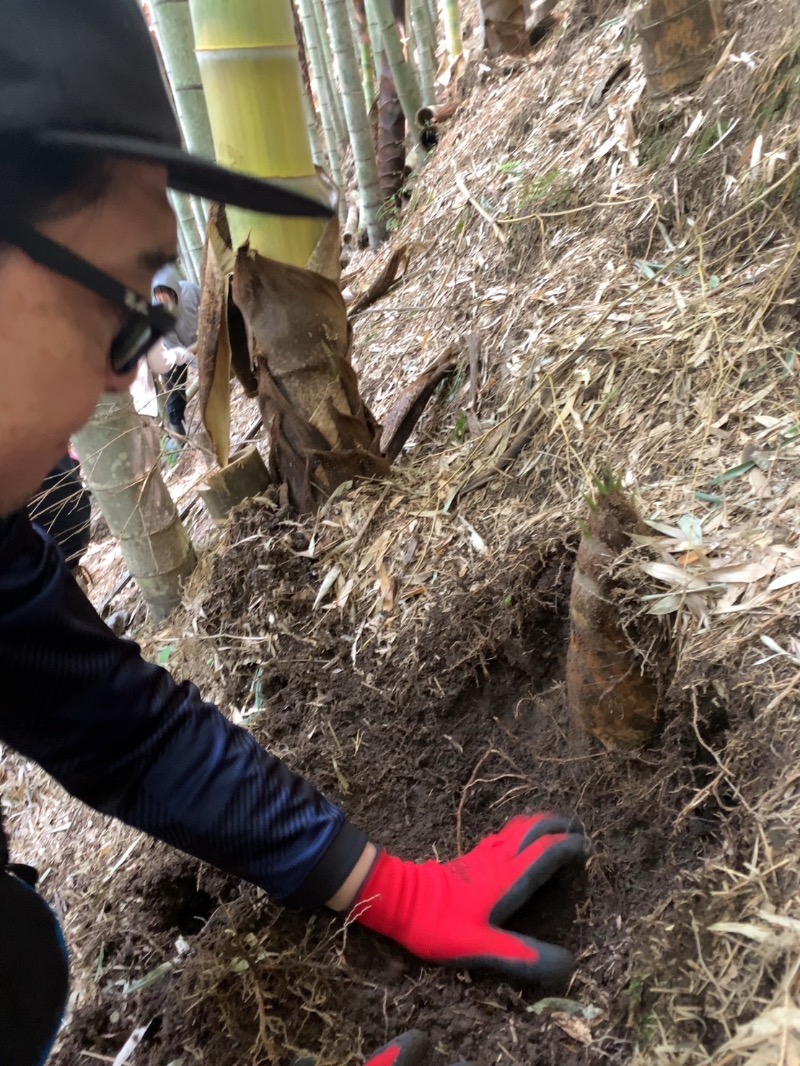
(122, 736)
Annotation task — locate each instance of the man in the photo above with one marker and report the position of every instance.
(182, 298)
(88, 145)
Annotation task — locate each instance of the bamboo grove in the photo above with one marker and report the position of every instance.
(306, 93)
(340, 101)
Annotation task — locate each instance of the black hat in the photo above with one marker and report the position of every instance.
(84, 74)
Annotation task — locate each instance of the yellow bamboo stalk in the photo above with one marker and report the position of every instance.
(248, 58)
(451, 17)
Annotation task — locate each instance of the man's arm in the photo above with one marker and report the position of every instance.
(121, 735)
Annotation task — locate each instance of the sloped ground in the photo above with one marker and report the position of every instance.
(629, 302)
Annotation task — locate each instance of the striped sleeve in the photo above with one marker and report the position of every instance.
(124, 737)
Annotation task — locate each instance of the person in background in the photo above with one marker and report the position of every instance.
(159, 361)
(182, 298)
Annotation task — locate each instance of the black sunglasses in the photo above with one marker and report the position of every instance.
(145, 323)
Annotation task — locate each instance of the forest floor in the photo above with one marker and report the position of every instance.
(619, 281)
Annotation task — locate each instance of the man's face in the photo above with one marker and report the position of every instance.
(166, 297)
(55, 335)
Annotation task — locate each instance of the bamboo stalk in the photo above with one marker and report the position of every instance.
(195, 204)
(346, 63)
(176, 41)
(120, 460)
(376, 41)
(405, 77)
(361, 35)
(248, 59)
(309, 107)
(452, 28)
(312, 126)
(350, 231)
(421, 15)
(245, 476)
(189, 232)
(329, 66)
(187, 260)
(425, 48)
(184, 259)
(321, 84)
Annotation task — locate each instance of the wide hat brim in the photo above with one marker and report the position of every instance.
(191, 174)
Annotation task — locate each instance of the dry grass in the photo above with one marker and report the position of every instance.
(633, 317)
(629, 277)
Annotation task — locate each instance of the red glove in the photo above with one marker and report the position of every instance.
(452, 912)
(410, 1049)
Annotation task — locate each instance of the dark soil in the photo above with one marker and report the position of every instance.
(467, 740)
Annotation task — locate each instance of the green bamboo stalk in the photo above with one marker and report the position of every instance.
(309, 107)
(193, 236)
(321, 84)
(405, 77)
(365, 57)
(375, 41)
(185, 260)
(176, 38)
(120, 460)
(425, 48)
(188, 234)
(346, 64)
(195, 205)
(452, 27)
(421, 14)
(176, 41)
(337, 103)
(312, 125)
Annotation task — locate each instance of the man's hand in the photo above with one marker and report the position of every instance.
(452, 912)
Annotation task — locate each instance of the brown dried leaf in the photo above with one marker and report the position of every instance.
(213, 344)
(388, 588)
(395, 266)
(575, 1028)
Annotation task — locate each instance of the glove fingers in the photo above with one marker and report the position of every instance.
(554, 966)
(522, 957)
(515, 833)
(548, 825)
(569, 848)
(409, 1049)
